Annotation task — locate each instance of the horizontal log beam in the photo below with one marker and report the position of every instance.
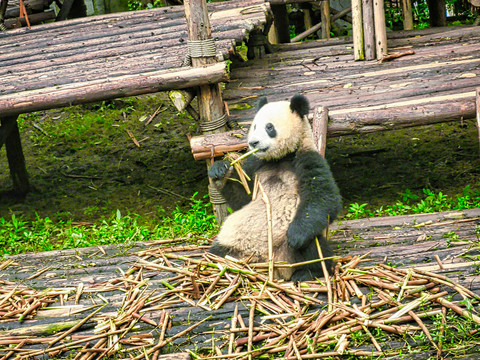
(115, 87)
(359, 120)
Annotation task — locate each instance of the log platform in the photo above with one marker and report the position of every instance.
(144, 299)
(435, 83)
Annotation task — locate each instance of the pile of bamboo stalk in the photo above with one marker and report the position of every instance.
(308, 320)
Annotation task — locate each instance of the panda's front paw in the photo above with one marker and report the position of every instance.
(218, 169)
(296, 236)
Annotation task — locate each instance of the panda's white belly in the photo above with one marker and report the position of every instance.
(246, 230)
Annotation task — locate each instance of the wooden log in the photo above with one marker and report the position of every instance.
(326, 24)
(209, 97)
(438, 13)
(16, 160)
(368, 29)
(307, 16)
(218, 144)
(280, 23)
(380, 28)
(3, 9)
(357, 30)
(477, 98)
(79, 93)
(33, 18)
(319, 128)
(407, 15)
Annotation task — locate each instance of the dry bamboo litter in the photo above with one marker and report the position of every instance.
(373, 305)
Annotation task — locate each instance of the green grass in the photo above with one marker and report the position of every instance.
(411, 203)
(18, 235)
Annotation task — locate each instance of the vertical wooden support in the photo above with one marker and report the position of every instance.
(357, 29)
(478, 113)
(307, 16)
(16, 161)
(280, 23)
(407, 15)
(319, 128)
(368, 29)
(3, 10)
(210, 101)
(380, 28)
(326, 23)
(438, 12)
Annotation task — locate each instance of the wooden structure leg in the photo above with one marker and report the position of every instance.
(380, 28)
(319, 128)
(438, 13)
(477, 97)
(280, 23)
(210, 103)
(3, 10)
(326, 24)
(357, 29)
(368, 29)
(407, 15)
(10, 136)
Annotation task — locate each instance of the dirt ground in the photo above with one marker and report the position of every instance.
(84, 165)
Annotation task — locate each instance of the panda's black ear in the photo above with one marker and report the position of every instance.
(262, 101)
(299, 104)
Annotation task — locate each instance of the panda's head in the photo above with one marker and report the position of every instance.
(278, 127)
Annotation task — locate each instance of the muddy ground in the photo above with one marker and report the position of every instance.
(84, 165)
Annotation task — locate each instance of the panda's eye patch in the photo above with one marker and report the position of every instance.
(270, 129)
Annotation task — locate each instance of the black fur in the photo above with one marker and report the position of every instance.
(218, 169)
(262, 101)
(299, 104)
(320, 202)
(271, 131)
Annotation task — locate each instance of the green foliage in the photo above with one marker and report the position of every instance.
(411, 203)
(134, 5)
(18, 235)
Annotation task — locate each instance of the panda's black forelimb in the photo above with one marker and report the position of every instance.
(320, 200)
(233, 191)
(310, 252)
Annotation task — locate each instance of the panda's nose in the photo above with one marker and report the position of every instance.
(253, 144)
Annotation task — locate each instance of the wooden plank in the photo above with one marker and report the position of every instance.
(120, 86)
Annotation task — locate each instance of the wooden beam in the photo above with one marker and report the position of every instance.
(357, 29)
(407, 15)
(380, 28)
(280, 23)
(477, 98)
(368, 29)
(16, 160)
(326, 24)
(438, 13)
(319, 128)
(115, 87)
(210, 103)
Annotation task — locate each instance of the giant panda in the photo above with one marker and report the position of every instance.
(300, 187)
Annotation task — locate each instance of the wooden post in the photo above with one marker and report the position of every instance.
(380, 28)
(319, 128)
(307, 15)
(326, 24)
(478, 113)
(357, 29)
(210, 101)
(280, 23)
(438, 12)
(10, 135)
(3, 9)
(368, 29)
(407, 15)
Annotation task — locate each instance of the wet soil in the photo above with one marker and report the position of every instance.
(84, 164)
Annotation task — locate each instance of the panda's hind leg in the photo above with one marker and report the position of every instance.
(309, 272)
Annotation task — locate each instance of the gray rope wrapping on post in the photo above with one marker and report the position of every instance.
(216, 196)
(199, 49)
(214, 124)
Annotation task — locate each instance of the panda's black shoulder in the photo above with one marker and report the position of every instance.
(310, 163)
